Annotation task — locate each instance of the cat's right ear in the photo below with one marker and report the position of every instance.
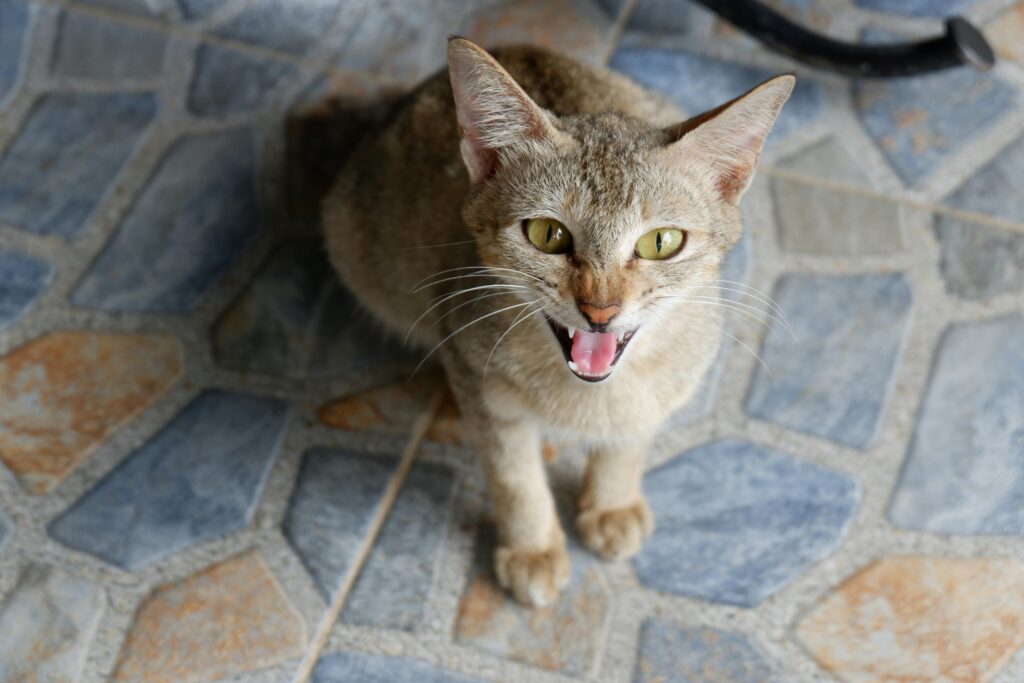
(495, 115)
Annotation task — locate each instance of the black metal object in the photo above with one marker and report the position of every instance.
(962, 44)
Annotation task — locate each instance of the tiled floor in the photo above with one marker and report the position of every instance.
(212, 468)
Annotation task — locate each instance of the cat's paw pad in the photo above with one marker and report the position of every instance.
(534, 577)
(618, 533)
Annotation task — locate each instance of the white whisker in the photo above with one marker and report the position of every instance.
(511, 327)
(451, 295)
(471, 322)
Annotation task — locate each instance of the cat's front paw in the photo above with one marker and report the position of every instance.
(533, 576)
(617, 533)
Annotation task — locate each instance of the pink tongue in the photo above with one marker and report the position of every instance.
(593, 352)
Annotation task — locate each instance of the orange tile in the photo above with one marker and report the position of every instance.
(230, 618)
(1006, 34)
(63, 394)
(909, 619)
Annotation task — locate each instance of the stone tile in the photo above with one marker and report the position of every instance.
(183, 231)
(407, 42)
(14, 15)
(295, 320)
(65, 393)
(979, 261)
(566, 636)
(147, 8)
(917, 8)
(393, 409)
(817, 220)
(22, 279)
(696, 83)
(197, 479)
(66, 155)
(918, 122)
(830, 376)
(965, 466)
(5, 530)
(693, 22)
(735, 522)
(198, 9)
(343, 667)
(395, 583)
(696, 654)
(46, 626)
(920, 619)
(97, 49)
(228, 619)
(1004, 33)
(229, 81)
(334, 500)
(282, 24)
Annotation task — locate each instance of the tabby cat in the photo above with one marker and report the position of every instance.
(553, 234)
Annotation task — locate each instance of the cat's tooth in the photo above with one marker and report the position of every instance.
(572, 332)
(573, 367)
(619, 336)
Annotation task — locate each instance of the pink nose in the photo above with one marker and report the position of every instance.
(599, 315)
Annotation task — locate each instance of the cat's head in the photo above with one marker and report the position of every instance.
(609, 219)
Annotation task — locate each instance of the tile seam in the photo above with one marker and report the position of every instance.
(323, 630)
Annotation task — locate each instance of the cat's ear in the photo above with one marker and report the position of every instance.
(729, 138)
(495, 115)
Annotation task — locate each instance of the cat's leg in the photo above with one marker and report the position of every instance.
(614, 518)
(530, 560)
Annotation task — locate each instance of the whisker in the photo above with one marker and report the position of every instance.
(472, 322)
(768, 313)
(515, 323)
(473, 300)
(447, 297)
(717, 302)
(477, 269)
(462, 277)
(753, 353)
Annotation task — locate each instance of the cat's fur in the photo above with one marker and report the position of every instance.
(609, 160)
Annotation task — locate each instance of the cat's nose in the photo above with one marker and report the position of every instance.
(598, 315)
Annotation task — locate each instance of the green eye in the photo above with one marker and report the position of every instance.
(660, 244)
(549, 235)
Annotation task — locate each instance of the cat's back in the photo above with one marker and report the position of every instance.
(402, 190)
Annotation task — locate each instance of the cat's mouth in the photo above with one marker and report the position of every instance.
(591, 356)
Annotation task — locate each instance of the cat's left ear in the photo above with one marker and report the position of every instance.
(729, 138)
(496, 116)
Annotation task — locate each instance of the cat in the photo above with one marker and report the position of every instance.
(553, 234)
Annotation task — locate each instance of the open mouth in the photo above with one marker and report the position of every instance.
(590, 355)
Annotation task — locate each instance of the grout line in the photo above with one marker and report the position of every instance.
(959, 214)
(323, 631)
(618, 28)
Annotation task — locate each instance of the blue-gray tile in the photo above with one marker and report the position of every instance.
(14, 15)
(282, 24)
(698, 654)
(5, 530)
(964, 472)
(979, 261)
(918, 122)
(917, 8)
(47, 624)
(22, 279)
(687, 20)
(735, 521)
(395, 582)
(830, 375)
(97, 49)
(198, 478)
(146, 8)
(195, 216)
(334, 500)
(228, 81)
(198, 9)
(295, 320)
(65, 157)
(697, 83)
(347, 667)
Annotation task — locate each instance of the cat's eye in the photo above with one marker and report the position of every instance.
(660, 244)
(548, 235)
